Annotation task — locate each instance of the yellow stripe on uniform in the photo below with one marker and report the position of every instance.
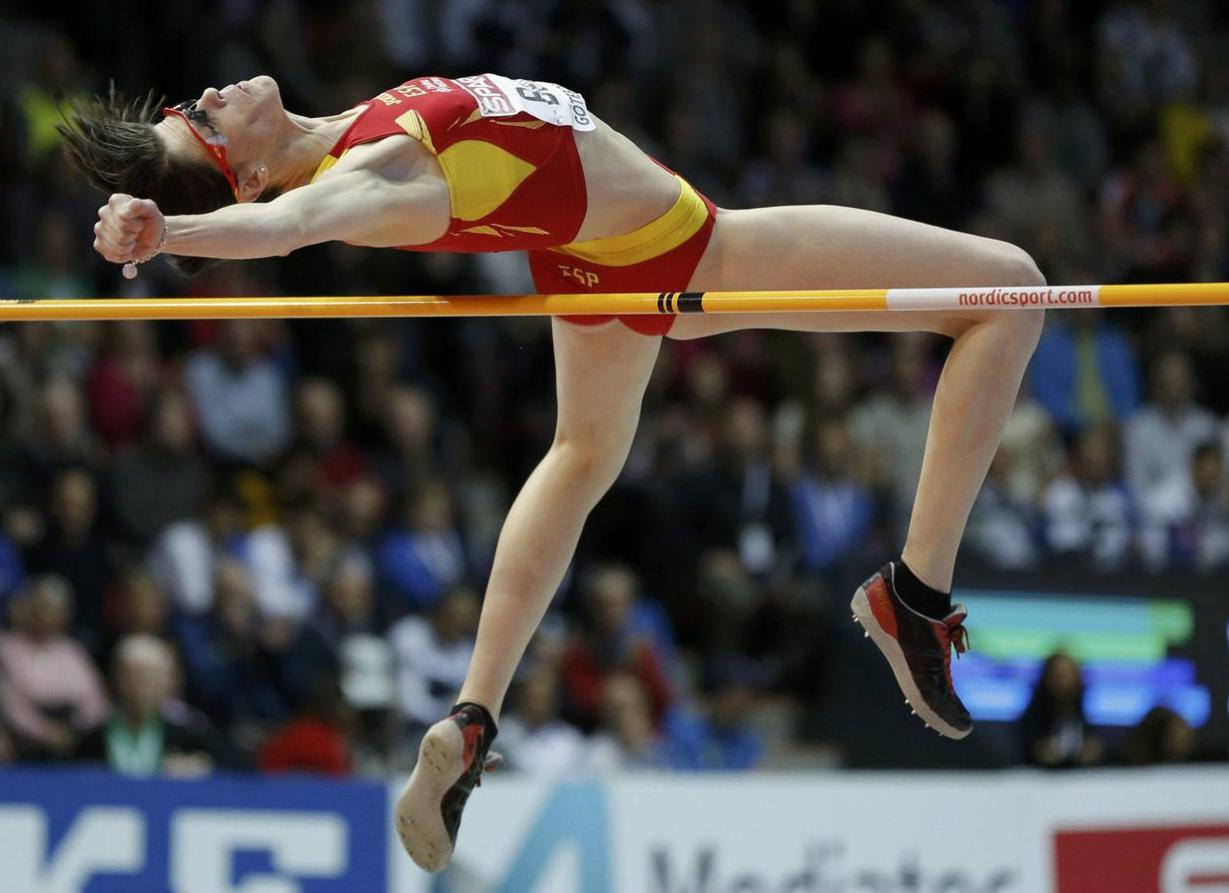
(652, 240)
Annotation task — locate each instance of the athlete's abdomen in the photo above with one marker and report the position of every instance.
(626, 188)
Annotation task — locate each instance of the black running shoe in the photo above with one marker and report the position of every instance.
(919, 650)
(451, 759)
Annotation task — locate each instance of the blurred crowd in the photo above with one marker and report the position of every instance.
(263, 543)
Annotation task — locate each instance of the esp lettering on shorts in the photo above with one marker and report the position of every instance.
(584, 277)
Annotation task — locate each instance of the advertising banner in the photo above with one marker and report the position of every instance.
(91, 832)
(1147, 831)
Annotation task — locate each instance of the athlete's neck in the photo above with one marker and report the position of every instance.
(305, 141)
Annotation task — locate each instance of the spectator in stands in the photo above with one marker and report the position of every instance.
(930, 188)
(163, 480)
(1002, 528)
(423, 557)
(1053, 729)
(784, 175)
(1080, 141)
(1036, 192)
(721, 737)
(1037, 452)
(240, 396)
(314, 741)
(323, 461)
(433, 653)
(140, 608)
(627, 739)
(289, 563)
(74, 546)
(347, 635)
(185, 556)
(738, 501)
(60, 439)
(1146, 218)
(1147, 59)
(1084, 371)
(50, 691)
(835, 512)
(362, 514)
(378, 362)
(534, 737)
(1088, 514)
(890, 426)
(1162, 736)
(1162, 435)
(123, 382)
(408, 459)
(140, 738)
(611, 641)
(1186, 518)
(233, 660)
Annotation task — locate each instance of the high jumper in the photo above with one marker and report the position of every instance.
(487, 163)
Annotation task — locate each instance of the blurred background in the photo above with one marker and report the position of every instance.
(269, 539)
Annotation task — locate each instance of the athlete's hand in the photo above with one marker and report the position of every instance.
(128, 229)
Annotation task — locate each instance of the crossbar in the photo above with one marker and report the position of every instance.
(666, 303)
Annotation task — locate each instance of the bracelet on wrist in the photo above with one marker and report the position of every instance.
(130, 268)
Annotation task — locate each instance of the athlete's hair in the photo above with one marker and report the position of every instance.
(112, 141)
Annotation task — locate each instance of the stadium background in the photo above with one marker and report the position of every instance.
(277, 532)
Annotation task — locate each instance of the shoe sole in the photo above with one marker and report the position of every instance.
(865, 617)
(420, 824)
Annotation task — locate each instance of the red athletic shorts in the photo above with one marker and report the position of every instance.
(658, 257)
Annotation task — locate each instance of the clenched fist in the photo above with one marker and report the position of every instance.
(129, 229)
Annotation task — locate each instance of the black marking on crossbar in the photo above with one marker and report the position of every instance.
(691, 302)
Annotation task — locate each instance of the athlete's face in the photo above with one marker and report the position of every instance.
(243, 117)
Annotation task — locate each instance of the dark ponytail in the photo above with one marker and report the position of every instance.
(112, 141)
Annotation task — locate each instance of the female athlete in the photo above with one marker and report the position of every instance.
(486, 163)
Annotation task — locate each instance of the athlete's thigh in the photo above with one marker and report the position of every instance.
(601, 373)
(826, 246)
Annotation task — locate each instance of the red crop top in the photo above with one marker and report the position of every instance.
(506, 147)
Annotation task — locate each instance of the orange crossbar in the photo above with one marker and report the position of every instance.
(858, 300)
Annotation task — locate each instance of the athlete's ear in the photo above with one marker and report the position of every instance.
(253, 182)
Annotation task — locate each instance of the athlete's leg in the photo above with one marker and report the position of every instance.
(820, 247)
(601, 373)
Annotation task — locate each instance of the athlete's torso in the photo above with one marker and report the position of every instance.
(506, 165)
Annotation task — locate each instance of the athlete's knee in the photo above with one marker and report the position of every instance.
(1012, 265)
(1022, 270)
(588, 465)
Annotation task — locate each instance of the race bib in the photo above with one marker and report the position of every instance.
(501, 97)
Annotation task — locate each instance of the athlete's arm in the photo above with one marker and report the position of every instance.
(357, 206)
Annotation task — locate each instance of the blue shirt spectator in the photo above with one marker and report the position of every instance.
(1085, 371)
(834, 512)
(721, 737)
(420, 560)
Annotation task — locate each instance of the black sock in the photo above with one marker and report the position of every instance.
(917, 595)
(487, 722)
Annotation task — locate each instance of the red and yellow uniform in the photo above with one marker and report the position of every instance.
(515, 183)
